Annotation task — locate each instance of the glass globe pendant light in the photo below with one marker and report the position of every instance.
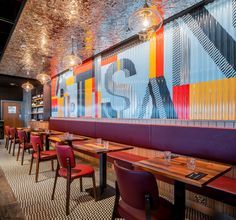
(71, 60)
(27, 86)
(145, 22)
(43, 77)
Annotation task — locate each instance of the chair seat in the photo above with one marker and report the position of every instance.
(27, 145)
(78, 171)
(162, 213)
(46, 155)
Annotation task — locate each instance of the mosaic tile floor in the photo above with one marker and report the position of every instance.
(35, 199)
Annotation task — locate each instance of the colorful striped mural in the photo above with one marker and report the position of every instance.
(186, 71)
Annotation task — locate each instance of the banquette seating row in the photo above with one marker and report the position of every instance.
(217, 144)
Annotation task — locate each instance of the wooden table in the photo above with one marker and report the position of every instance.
(63, 139)
(47, 134)
(91, 146)
(177, 170)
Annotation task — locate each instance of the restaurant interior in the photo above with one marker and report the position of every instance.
(118, 109)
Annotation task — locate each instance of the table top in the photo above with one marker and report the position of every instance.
(91, 146)
(61, 138)
(43, 132)
(176, 169)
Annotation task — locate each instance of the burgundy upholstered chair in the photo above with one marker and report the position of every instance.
(68, 169)
(14, 140)
(7, 136)
(24, 144)
(40, 154)
(139, 197)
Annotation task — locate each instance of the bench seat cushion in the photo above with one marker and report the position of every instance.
(125, 159)
(225, 184)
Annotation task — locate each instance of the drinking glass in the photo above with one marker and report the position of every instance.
(106, 144)
(99, 141)
(191, 163)
(167, 156)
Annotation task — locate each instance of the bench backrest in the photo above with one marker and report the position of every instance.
(217, 144)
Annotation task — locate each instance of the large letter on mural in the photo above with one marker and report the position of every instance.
(121, 91)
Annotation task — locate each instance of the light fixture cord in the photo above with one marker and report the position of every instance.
(72, 44)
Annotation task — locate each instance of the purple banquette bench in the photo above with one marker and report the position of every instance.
(218, 144)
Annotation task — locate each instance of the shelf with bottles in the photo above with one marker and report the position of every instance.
(37, 107)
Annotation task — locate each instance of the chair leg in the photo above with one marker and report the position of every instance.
(13, 150)
(94, 187)
(115, 213)
(6, 142)
(9, 151)
(23, 154)
(52, 165)
(68, 196)
(55, 181)
(31, 164)
(18, 153)
(81, 184)
(37, 170)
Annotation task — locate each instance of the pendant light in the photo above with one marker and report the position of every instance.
(43, 77)
(71, 60)
(145, 22)
(27, 86)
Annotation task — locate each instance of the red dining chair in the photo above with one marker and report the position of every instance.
(68, 169)
(40, 154)
(24, 145)
(139, 197)
(14, 140)
(7, 136)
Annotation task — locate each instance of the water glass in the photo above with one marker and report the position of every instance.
(191, 163)
(99, 141)
(167, 156)
(106, 144)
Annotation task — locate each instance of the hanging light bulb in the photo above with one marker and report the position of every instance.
(71, 60)
(43, 77)
(145, 22)
(27, 86)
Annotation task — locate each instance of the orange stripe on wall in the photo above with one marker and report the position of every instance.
(84, 67)
(160, 52)
(53, 87)
(109, 60)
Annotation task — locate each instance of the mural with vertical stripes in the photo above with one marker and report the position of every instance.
(187, 70)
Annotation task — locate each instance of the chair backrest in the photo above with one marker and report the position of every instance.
(22, 136)
(7, 130)
(35, 141)
(13, 132)
(64, 152)
(134, 185)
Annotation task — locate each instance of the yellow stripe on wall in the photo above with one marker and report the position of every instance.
(118, 65)
(61, 107)
(213, 100)
(152, 73)
(70, 81)
(88, 97)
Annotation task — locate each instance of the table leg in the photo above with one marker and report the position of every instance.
(103, 172)
(179, 200)
(47, 142)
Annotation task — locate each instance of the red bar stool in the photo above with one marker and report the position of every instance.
(139, 197)
(14, 140)
(40, 155)
(68, 169)
(7, 136)
(24, 145)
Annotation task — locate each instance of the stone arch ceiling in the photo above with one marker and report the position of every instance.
(45, 27)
